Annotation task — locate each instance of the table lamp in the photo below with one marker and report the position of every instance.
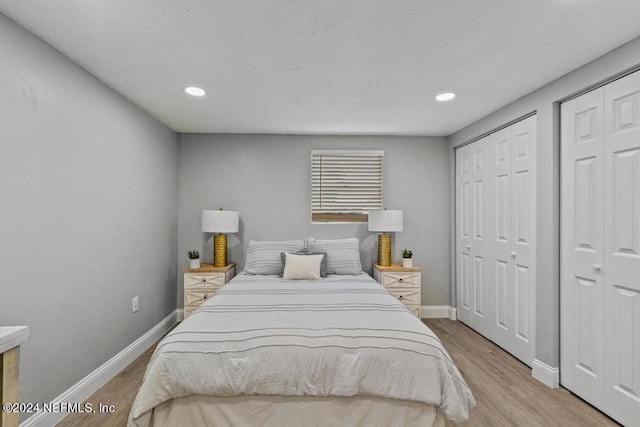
(220, 222)
(385, 221)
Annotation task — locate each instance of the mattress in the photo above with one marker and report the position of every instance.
(338, 337)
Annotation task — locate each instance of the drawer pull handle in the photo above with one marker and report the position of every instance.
(400, 297)
(205, 297)
(203, 280)
(401, 280)
(597, 267)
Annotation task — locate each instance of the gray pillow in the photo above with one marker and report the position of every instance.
(263, 257)
(343, 255)
(323, 263)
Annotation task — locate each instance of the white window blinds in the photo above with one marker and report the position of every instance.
(345, 184)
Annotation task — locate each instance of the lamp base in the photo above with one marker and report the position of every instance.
(220, 250)
(384, 250)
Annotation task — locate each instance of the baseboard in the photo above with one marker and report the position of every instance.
(79, 392)
(453, 314)
(180, 314)
(436, 312)
(546, 374)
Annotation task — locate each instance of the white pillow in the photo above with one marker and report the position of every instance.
(343, 255)
(302, 267)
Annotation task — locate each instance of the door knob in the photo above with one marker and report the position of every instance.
(513, 255)
(468, 247)
(597, 267)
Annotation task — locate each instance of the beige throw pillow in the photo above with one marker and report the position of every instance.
(302, 267)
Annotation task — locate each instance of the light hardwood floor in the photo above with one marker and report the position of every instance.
(505, 391)
(120, 392)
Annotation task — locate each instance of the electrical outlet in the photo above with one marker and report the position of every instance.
(134, 304)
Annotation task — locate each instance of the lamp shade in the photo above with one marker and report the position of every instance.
(385, 220)
(220, 221)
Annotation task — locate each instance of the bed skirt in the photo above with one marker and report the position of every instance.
(294, 411)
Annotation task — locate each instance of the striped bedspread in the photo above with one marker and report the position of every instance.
(338, 336)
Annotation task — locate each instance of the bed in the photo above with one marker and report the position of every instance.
(272, 351)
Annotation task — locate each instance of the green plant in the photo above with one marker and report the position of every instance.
(407, 253)
(194, 255)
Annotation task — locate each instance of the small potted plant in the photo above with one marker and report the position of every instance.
(194, 259)
(407, 258)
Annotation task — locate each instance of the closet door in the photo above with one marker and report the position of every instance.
(471, 244)
(502, 236)
(495, 233)
(582, 290)
(621, 269)
(512, 230)
(600, 289)
(523, 227)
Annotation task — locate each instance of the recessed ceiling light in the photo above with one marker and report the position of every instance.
(448, 96)
(194, 91)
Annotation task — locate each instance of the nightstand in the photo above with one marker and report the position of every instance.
(201, 283)
(403, 283)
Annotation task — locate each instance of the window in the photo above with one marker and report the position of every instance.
(345, 184)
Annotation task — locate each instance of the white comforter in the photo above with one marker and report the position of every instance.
(338, 336)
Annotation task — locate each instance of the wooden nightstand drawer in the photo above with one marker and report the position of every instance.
(207, 280)
(194, 297)
(400, 280)
(408, 296)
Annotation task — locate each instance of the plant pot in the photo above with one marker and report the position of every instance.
(407, 262)
(194, 263)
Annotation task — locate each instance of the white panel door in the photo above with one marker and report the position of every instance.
(471, 242)
(582, 289)
(512, 231)
(621, 269)
(523, 227)
(501, 237)
(464, 211)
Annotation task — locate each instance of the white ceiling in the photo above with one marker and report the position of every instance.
(361, 67)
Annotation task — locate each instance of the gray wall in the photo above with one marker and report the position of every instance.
(267, 179)
(88, 218)
(545, 101)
